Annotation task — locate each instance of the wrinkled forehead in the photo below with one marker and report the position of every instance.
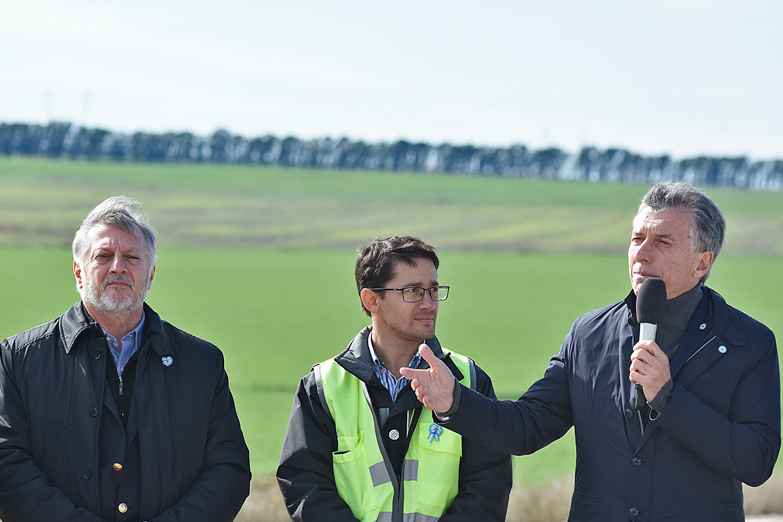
(112, 237)
(674, 222)
(669, 216)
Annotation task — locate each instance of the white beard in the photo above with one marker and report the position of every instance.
(104, 303)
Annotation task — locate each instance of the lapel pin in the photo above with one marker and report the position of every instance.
(722, 349)
(167, 360)
(435, 431)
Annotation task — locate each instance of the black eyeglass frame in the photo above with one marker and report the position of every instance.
(438, 288)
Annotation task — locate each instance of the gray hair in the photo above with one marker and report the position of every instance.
(708, 226)
(121, 212)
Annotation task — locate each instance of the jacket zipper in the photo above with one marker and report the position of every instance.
(397, 500)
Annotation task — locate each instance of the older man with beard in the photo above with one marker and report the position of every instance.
(109, 413)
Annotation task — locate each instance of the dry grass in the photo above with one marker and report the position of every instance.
(539, 503)
(767, 498)
(542, 502)
(264, 504)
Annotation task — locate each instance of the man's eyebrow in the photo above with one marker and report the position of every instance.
(420, 284)
(663, 235)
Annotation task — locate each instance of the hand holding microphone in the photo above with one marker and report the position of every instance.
(650, 302)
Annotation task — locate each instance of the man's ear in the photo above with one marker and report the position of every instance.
(77, 272)
(705, 263)
(370, 300)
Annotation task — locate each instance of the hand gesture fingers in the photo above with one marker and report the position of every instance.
(434, 386)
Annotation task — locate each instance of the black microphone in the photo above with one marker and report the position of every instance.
(650, 302)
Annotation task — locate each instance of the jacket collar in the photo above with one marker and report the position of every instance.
(709, 323)
(77, 322)
(707, 326)
(710, 317)
(356, 358)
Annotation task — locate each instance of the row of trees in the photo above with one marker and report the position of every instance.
(63, 140)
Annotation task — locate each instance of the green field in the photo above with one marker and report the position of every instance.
(259, 261)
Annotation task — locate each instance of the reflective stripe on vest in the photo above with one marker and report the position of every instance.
(364, 479)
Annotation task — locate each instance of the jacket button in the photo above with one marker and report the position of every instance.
(117, 466)
(636, 461)
(628, 413)
(87, 474)
(94, 412)
(633, 512)
(122, 508)
(96, 355)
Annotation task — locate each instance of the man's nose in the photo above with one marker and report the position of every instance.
(643, 251)
(427, 301)
(118, 263)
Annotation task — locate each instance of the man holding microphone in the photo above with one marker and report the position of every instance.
(710, 381)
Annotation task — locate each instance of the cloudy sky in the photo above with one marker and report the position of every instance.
(682, 77)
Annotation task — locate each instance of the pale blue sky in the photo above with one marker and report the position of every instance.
(683, 77)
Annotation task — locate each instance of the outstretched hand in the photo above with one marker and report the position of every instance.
(434, 386)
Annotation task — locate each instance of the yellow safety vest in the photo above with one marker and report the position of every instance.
(365, 479)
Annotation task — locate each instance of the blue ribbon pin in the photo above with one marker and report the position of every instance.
(435, 432)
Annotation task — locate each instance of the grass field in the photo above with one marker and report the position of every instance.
(259, 261)
(41, 202)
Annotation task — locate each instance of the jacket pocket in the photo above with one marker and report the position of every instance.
(712, 388)
(586, 508)
(706, 379)
(353, 478)
(439, 452)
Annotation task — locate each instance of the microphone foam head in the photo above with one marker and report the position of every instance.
(650, 301)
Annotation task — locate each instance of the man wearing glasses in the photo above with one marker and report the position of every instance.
(359, 444)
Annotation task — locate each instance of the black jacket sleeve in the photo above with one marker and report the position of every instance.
(25, 492)
(540, 416)
(304, 473)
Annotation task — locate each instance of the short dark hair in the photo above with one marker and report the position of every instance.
(708, 226)
(375, 262)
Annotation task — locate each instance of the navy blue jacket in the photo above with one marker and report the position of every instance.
(720, 428)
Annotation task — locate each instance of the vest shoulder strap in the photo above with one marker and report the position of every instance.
(466, 366)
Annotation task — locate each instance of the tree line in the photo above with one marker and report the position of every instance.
(62, 140)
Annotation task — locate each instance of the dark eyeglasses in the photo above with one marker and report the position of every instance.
(414, 294)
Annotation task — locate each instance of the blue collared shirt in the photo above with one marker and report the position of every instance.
(130, 345)
(389, 381)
